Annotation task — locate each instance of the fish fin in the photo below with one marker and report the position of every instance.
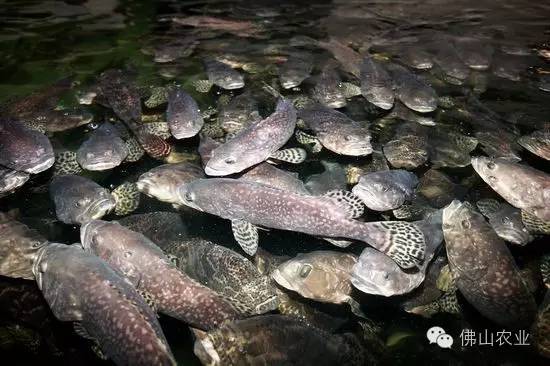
(350, 90)
(126, 197)
(534, 224)
(66, 163)
(488, 206)
(246, 235)
(404, 242)
(81, 331)
(356, 308)
(154, 146)
(202, 86)
(98, 352)
(149, 299)
(294, 155)
(301, 41)
(309, 140)
(338, 242)
(135, 151)
(352, 204)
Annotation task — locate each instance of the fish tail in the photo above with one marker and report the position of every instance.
(402, 241)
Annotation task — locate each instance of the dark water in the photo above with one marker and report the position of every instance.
(44, 41)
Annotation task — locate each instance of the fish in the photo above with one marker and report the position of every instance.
(483, 268)
(256, 143)
(541, 327)
(335, 131)
(475, 53)
(413, 91)
(416, 57)
(376, 274)
(447, 58)
(349, 59)
(385, 190)
(11, 179)
(296, 69)
(81, 288)
(278, 340)
(239, 113)
(183, 114)
(226, 272)
(505, 220)
(332, 178)
(151, 272)
(450, 149)
(57, 120)
(538, 143)
(221, 75)
(161, 227)
(249, 204)
(78, 200)
(240, 28)
(162, 181)
(267, 174)
(24, 150)
(509, 67)
(407, 152)
(376, 84)
(328, 89)
(103, 150)
(498, 144)
(520, 185)
(19, 246)
(438, 188)
(322, 275)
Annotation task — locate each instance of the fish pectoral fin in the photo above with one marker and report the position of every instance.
(309, 140)
(352, 204)
(356, 308)
(202, 86)
(98, 352)
(127, 198)
(294, 155)
(339, 242)
(246, 235)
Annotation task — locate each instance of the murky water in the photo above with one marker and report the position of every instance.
(163, 43)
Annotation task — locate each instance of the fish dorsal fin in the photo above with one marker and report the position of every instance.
(294, 155)
(356, 308)
(126, 197)
(488, 207)
(308, 140)
(348, 201)
(246, 235)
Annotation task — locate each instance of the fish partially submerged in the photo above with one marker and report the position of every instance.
(295, 70)
(483, 268)
(413, 91)
(505, 220)
(376, 84)
(386, 190)
(11, 179)
(152, 273)
(267, 174)
(538, 143)
(24, 150)
(249, 204)
(162, 181)
(78, 200)
(19, 245)
(239, 113)
(81, 288)
(183, 114)
(522, 186)
(335, 131)
(277, 340)
(103, 150)
(228, 273)
(257, 143)
(321, 275)
(221, 75)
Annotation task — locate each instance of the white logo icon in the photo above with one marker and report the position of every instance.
(437, 335)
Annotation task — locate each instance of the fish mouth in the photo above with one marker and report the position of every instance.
(289, 84)
(144, 184)
(40, 166)
(215, 172)
(97, 210)
(16, 180)
(477, 163)
(422, 108)
(36, 265)
(268, 305)
(233, 85)
(278, 277)
(424, 65)
(101, 165)
(335, 103)
(359, 150)
(382, 104)
(479, 67)
(369, 287)
(87, 232)
(451, 211)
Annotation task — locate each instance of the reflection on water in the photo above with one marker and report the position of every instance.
(447, 80)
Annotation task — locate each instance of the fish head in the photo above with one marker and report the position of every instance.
(423, 101)
(230, 81)
(79, 200)
(32, 154)
(98, 159)
(351, 142)
(379, 194)
(332, 99)
(11, 179)
(196, 194)
(459, 218)
(493, 171)
(508, 225)
(382, 97)
(377, 274)
(309, 279)
(228, 159)
(160, 183)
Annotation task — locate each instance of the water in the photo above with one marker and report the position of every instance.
(44, 41)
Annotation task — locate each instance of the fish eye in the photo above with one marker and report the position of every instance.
(305, 270)
(465, 223)
(386, 276)
(506, 220)
(348, 138)
(230, 160)
(491, 165)
(385, 189)
(93, 125)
